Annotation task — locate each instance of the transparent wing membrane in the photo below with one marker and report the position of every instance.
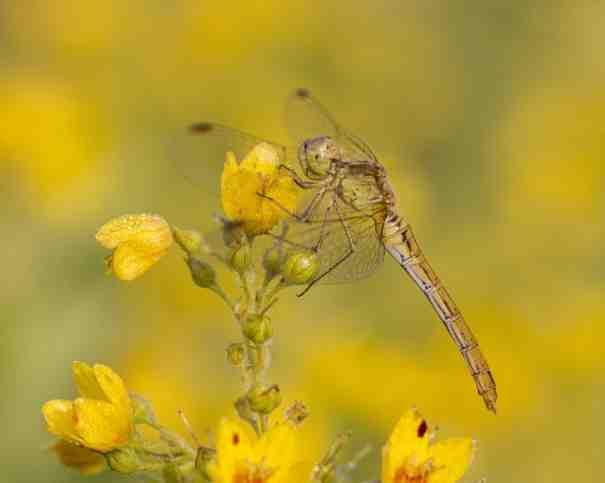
(198, 151)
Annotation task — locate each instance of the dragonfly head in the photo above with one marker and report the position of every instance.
(316, 156)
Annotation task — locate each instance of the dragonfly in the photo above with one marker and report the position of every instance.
(348, 215)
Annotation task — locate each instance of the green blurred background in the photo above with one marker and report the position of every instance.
(490, 120)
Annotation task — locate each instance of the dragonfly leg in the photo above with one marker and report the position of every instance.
(333, 267)
(299, 180)
(304, 217)
(322, 232)
(345, 227)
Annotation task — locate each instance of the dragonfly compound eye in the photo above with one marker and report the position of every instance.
(318, 154)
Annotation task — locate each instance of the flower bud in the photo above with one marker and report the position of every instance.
(263, 399)
(257, 328)
(124, 460)
(236, 353)
(189, 240)
(202, 273)
(241, 258)
(273, 261)
(300, 268)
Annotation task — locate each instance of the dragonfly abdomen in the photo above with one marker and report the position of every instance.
(400, 241)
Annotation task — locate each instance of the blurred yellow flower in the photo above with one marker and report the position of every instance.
(87, 461)
(60, 165)
(137, 241)
(258, 174)
(101, 419)
(408, 457)
(243, 457)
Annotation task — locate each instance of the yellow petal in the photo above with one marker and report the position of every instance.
(113, 388)
(231, 165)
(276, 447)
(300, 472)
(85, 460)
(451, 458)
(408, 443)
(238, 189)
(234, 447)
(263, 159)
(148, 229)
(132, 259)
(86, 381)
(61, 419)
(100, 425)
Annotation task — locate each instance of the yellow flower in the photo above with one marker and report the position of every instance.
(101, 419)
(137, 241)
(88, 462)
(243, 183)
(409, 457)
(243, 457)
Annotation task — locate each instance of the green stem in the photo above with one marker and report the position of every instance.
(174, 438)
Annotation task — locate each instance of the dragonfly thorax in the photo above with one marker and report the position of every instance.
(316, 156)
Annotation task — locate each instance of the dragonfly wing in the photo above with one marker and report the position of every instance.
(198, 151)
(307, 118)
(330, 231)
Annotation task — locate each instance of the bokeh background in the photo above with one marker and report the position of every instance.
(490, 119)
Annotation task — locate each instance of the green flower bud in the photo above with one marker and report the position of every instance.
(273, 261)
(257, 328)
(124, 460)
(300, 268)
(236, 353)
(263, 399)
(241, 258)
(189, 240)
(202, 273)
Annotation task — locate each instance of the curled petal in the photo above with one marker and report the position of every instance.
(61, 419)
(113, 387)
(86, 381)
(132, 259)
